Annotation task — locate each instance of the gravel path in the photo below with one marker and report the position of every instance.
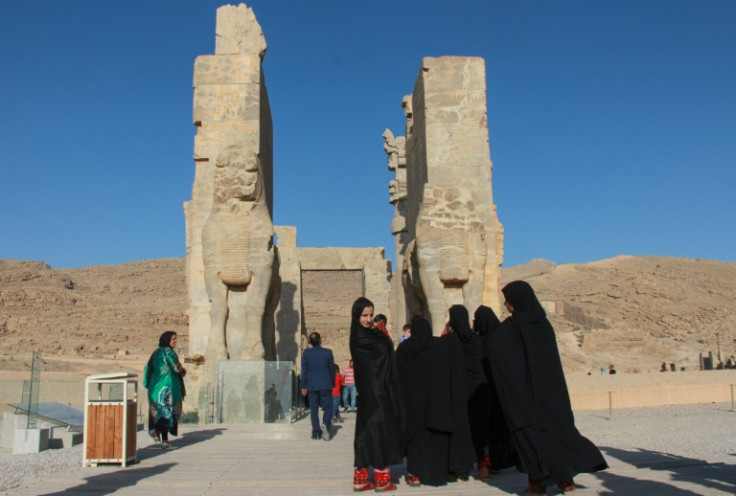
(16, 468)
(642, 438)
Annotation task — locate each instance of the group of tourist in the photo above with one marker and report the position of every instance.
(487, 394)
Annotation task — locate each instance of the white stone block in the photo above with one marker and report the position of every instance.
(30, 441)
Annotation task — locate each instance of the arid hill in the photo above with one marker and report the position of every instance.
(637, 312)
(634, 312)
(92, 312)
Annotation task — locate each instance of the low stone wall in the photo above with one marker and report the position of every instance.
(587, 392)
(650, 397)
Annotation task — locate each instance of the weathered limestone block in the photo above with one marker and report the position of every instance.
(455, 241)
(238, 32)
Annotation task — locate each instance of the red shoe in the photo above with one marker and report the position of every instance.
(412, 480)
(360, 480)
(484, 469)
(383, 481)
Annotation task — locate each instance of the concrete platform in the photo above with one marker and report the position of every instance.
(283, 460)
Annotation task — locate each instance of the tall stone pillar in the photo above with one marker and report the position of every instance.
(455, 238)
(232, 262)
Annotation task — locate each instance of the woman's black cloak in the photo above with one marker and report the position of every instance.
(426, 385)
(531, 386)
(475, 380)
(501, 449)
(380, 420)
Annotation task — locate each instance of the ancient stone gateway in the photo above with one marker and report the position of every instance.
(254, 295)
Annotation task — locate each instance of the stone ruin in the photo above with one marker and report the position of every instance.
(449, 242)
(253, 294)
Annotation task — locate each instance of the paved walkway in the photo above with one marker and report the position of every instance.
(276, 459)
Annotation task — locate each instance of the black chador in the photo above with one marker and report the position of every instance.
(379, 423)
(528, 375)
(494, 431)
(437, 434)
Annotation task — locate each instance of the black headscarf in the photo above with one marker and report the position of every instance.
(485, 321)
(526, 305)
(380, 421)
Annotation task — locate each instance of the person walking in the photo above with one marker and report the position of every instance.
(349, 392)
(164, 379)
(318, 380)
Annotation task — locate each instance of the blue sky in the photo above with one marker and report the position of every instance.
(612, 124)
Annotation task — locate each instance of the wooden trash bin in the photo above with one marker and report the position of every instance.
(110, 405)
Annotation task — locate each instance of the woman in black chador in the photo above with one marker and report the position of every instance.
(380, 420)
(499, 449)
(434, 396)
(475, 380)
(531, 386)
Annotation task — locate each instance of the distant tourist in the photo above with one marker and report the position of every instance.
(663, 368)
(531, 386)
(336, 395)
(405, 333)
(611, 369)
(163, 376)
(380, 323)
(349, 391)
(380, 420)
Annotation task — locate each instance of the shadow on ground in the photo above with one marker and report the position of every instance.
(708, 477)
(186, 439)
(110, 482)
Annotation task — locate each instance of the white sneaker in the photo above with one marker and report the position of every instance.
(325, 433)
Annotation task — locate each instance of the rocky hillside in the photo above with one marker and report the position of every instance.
(637, 312)
(634, 312)
(93, 312)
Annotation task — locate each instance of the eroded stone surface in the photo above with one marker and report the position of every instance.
(232, 261)
(449, 241)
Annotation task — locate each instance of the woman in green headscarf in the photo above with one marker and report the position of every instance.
(164, 379)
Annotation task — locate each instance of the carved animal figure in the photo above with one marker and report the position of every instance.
(238, 254)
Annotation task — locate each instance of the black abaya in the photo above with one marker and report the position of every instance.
(531, 386)
(476, 383)
(379, 422)
(495, 431)
(425, 379)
